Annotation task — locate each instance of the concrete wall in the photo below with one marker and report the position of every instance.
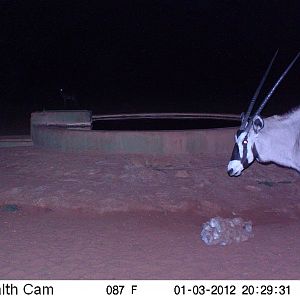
(45, 134)
(61, 117)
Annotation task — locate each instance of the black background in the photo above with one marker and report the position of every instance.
(144, 56)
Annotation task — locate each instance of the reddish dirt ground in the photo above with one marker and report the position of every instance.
(89, 216)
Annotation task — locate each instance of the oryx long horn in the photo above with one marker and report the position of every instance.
(276, 85)
(247, 115)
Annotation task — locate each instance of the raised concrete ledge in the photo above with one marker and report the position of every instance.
(62, 118)
(15, 141)
(210, 141)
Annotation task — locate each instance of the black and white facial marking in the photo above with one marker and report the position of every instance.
(244, 151)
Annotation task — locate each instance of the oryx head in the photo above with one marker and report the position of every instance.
(244, 151)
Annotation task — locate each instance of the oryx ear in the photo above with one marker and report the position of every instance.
(258, 124)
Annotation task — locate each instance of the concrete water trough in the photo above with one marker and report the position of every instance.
(72, 131)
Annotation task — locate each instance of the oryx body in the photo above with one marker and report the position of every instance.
(274, 139)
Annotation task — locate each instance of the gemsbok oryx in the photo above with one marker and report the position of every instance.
(275, 139)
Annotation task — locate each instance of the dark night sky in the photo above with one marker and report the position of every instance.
(145, 56)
